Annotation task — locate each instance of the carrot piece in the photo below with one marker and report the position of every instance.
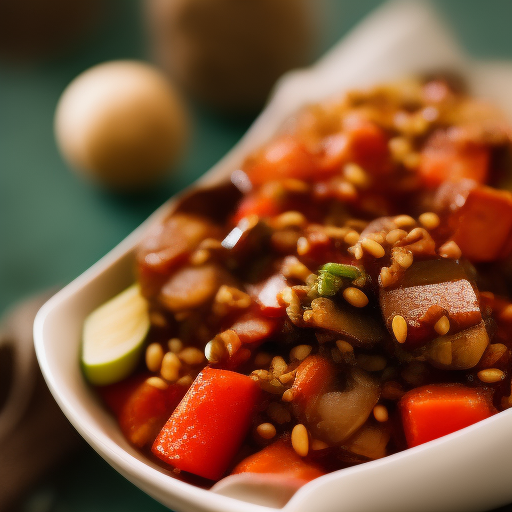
(209, 425)
(444, 159)
(483, 225)
(285, 157)
(314, 376)
(280, 458)
(436, 410)
(141, 409)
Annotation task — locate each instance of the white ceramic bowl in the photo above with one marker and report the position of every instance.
(469, 470)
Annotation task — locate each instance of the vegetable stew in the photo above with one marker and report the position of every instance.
(345, 297)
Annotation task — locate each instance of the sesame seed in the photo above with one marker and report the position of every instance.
(395, 235)
(154, 356)
(380, 413)
(385, 277)
(450, 250)
(186, 380)
(288, 396)
(300, 440)
(355, 297)
(317, 444)
(373, 247)
(157, 382)
(356, 175)
(300, 352)
(490, 375)
(175, 345)
(399, 327)
(171, 365)
(192, 356)
(266, 430)
(215, 351)
(442, 326)
(404, 259)
(351, 238)
(404, 221)
(302, 246)
(289, 219)
(344, 347)
(429, 220)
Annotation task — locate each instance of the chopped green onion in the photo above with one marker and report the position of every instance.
(340, 270)
(328, 284)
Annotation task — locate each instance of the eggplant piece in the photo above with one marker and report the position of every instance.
(191, 287)
(460, 351)
(428, 290)
(167, 246)
(363, 329)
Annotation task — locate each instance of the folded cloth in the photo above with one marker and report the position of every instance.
(34, 434)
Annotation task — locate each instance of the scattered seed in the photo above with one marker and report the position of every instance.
(380, 413)
(303, 246)
(385, 277)
(490, 375)
(356, 175)
(286, 378)
(157, 382)
(175, 345)
(300, 440)
(154, 356)
(395, 235)
(300, 352)
(404, 259)
(429, 220)
(289, 219)
(288, 396)
(450, 250)
(215, 350)
(186, 380)
(404, 221)
(266, 430)
(351, 238)
(170, 369)
(355, 297)
(373, 247)
(399, 327)
(192, 356)
(317, 444)
(344, 347)
(442, 326)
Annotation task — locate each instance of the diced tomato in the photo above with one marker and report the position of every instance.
(141, 409)
(265, 294)
(281, 459)
(445, 159)
(314, 376)
(209, 425)
(436, 410)
(252, 327)
(285, 157)
(256, 204)
(361, 142)
(483, 224)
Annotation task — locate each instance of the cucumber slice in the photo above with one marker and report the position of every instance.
(113, 337)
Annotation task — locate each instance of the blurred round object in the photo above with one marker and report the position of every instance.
(121, 123)
(34, 29)
(229, 53)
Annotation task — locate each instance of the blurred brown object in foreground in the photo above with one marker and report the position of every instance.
(34, 434)
(35, 29)
(229, 53)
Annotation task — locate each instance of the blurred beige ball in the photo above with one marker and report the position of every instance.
(122, 124)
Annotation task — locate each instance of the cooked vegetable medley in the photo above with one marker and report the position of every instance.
(346, 297)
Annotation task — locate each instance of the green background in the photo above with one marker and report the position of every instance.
(53, 226)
